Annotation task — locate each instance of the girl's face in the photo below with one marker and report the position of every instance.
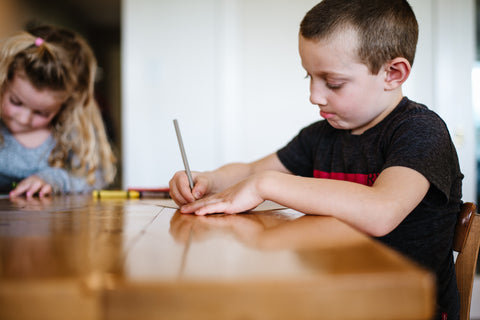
(348, 95)
(26, 109)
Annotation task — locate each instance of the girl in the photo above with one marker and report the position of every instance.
(52, 138)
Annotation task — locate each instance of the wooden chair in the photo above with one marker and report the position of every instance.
(466, 242)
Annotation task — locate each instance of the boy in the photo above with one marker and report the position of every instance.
(379, 162)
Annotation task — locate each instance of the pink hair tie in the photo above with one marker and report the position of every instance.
(39, 41)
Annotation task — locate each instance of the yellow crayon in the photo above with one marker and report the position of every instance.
(109, 194)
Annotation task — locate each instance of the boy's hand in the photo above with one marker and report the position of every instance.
(241, 197)
(180, 189)
(31, 186)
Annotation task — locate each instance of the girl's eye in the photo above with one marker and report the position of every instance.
(15, 102)
(307, 76)
(42, 114)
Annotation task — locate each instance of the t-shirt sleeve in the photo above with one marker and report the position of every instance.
(297, 155)
(423, 143)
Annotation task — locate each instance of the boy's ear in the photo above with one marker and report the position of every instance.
(396, 73)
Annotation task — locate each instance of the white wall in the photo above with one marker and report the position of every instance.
(169, 70)
(230, 72)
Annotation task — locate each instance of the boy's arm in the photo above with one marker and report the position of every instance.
(376, 210)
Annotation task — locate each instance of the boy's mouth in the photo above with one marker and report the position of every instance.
(326, 115)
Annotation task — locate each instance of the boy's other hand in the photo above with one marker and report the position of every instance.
(31, 186)
(241, 197)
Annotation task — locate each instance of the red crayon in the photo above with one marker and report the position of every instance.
(152, 192)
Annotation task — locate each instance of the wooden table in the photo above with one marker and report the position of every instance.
(79, 258)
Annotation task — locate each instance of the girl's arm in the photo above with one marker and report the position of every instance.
(30, 186)
(375, 210)
(64, 181)
(54, 180)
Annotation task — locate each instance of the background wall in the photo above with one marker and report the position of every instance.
(229, 70)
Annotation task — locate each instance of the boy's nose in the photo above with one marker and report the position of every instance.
(317, 95)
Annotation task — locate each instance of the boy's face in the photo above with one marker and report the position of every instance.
(349, 96)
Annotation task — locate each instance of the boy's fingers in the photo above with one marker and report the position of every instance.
(175, 193)
(216, 207)
(194, 207)
(177, 197)
(199, 190)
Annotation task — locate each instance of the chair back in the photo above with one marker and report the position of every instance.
(466, 242)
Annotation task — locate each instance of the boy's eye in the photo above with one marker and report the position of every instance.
(333, 86)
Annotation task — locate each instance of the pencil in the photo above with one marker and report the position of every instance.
(184, 155)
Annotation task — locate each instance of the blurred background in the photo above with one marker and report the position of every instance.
(229, 71)
(99, 22)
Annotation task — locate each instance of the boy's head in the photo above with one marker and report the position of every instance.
(386, 29)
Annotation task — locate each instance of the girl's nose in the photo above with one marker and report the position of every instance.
(24, 116)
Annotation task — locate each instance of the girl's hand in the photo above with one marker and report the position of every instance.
(180, 189)
(241, 197)
(30, 186)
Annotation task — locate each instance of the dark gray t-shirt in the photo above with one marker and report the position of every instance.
(410, 136)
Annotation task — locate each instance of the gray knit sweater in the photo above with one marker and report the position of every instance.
(18, 162)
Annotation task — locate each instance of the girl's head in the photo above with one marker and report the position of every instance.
(28, 110)
(60, 64)
(50, 58)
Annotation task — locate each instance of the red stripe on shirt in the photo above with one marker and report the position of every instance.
(365, 179)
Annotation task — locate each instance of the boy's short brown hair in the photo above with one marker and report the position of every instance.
(386, 28)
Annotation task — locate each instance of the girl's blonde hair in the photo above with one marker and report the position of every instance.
(60, 60)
